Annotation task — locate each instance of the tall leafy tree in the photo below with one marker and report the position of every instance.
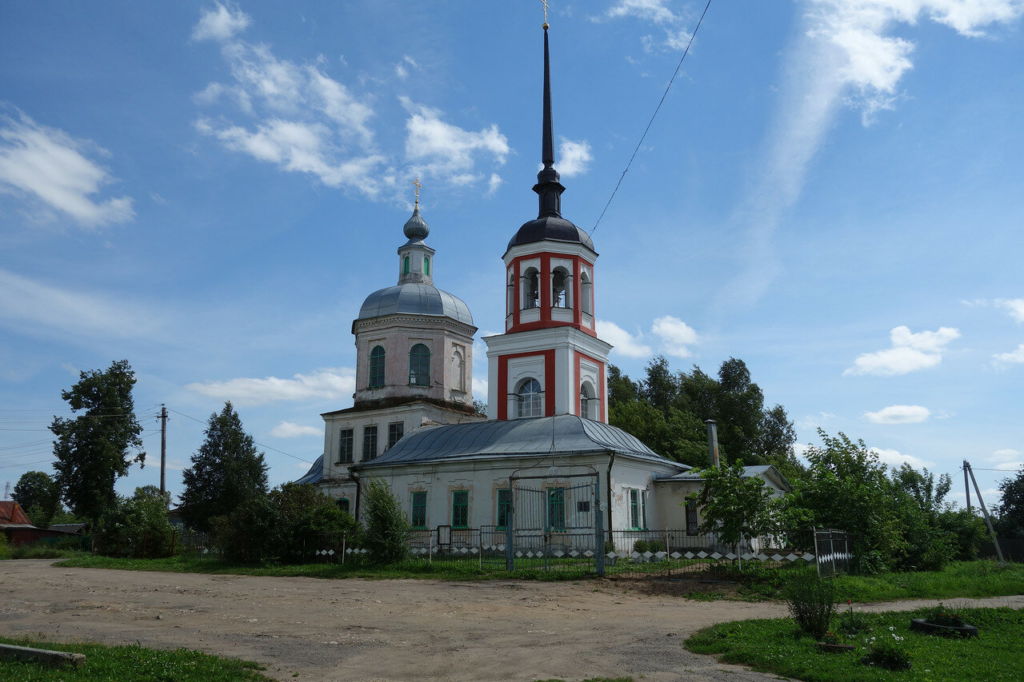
(226, 471)
(38, 495)
(97, 447)
(1011, 509)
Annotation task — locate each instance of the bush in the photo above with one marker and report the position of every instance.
(640, 546)
(852, 622)
(887, 652)
(305, 515)
(945, 615)
(135, 526)
(386, 524)
(5, 549)
(967, 531)
(812, 603)
(249, 534)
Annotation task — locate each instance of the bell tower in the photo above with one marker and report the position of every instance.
(549, 361)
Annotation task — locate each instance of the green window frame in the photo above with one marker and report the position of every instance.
(556, 509)
(419, 510)
(345, 449)
(504, 508)
(344, 505)
(377, 367)
(460, 509)
(426, 266)
(405, 267)
(395, 433)
(419, 365)
(369, 442)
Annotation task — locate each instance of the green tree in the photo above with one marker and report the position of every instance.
(226, 471)
(1011, 508)
(386, 524)
(136, 526)
(305, 514)
(97, 447)
(736, 507)
(38, 495)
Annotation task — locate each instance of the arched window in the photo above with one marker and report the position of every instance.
(531, 288)
(343, 505)
(458, 375)
(559, 288)
(405, 267)
(511, 294)
(589, 406)
(426, 266)
(530, 399)
(419, 365)
(377, 367)
(586, 294)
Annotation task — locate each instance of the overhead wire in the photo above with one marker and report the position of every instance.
(262, 445)
(651, 122)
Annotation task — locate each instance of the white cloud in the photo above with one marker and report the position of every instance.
(400, 68)
(655, 12)
(32, 306)
(1015, 306)
(445, 148)
(480, 389)
(220, 23)
(1007, 459)
(845, 55)
(50, 166)
(624, 343)
(675, 335)
(292, 430)
(1014, 357)
(909, 352)
(494, 184)
(574, 157)
(894, 458)
(813, 422)
(899, 414)
(322, 384)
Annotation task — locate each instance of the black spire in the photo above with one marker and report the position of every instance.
(548, 188)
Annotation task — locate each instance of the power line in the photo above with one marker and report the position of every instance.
(656, 110)
(262, 445)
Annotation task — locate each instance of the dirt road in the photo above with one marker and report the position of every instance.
(381, 630)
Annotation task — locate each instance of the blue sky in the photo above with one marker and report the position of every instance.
(832, 191)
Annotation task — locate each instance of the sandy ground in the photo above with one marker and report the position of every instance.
(387, 629)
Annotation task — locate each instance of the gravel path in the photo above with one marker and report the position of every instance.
(384, 629)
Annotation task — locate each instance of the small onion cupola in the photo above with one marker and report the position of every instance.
(415, 258)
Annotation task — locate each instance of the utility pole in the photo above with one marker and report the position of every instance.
(163, 448)
(967, 486)
(984, 510)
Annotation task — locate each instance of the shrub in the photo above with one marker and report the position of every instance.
(852, 622)
(5, 550)
(812, 603)
(945, 615)
(968, 532)
(305, 515)
(386, 524)
(887, 652)
(249, 534)
(135, 526)
(640, 546)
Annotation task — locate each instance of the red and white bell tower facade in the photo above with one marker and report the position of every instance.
(549, 361)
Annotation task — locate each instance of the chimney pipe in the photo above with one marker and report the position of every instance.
(713, 442)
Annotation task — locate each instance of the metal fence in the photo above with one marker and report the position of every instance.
(638, 554)
(676, 554)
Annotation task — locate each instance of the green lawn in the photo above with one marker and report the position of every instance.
(105, 663)
(774, 646)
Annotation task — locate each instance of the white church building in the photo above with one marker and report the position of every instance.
(413, 422)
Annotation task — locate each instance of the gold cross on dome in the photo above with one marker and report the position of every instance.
(545, 3)
(417, 185)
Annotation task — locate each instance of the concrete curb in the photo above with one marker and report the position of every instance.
(44, 656)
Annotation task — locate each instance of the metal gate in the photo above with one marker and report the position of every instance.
(554, 523)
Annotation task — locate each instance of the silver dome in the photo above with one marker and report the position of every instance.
(415, 299)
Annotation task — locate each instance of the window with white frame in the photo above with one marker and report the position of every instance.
(588, 402)
(638, 509)
(530, 399)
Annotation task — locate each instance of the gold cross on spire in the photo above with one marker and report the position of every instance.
(545, 3)
(417, 185)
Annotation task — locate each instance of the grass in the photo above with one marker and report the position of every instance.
(41, 552)
(130, 662)
(775, 646)
(468, 570)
